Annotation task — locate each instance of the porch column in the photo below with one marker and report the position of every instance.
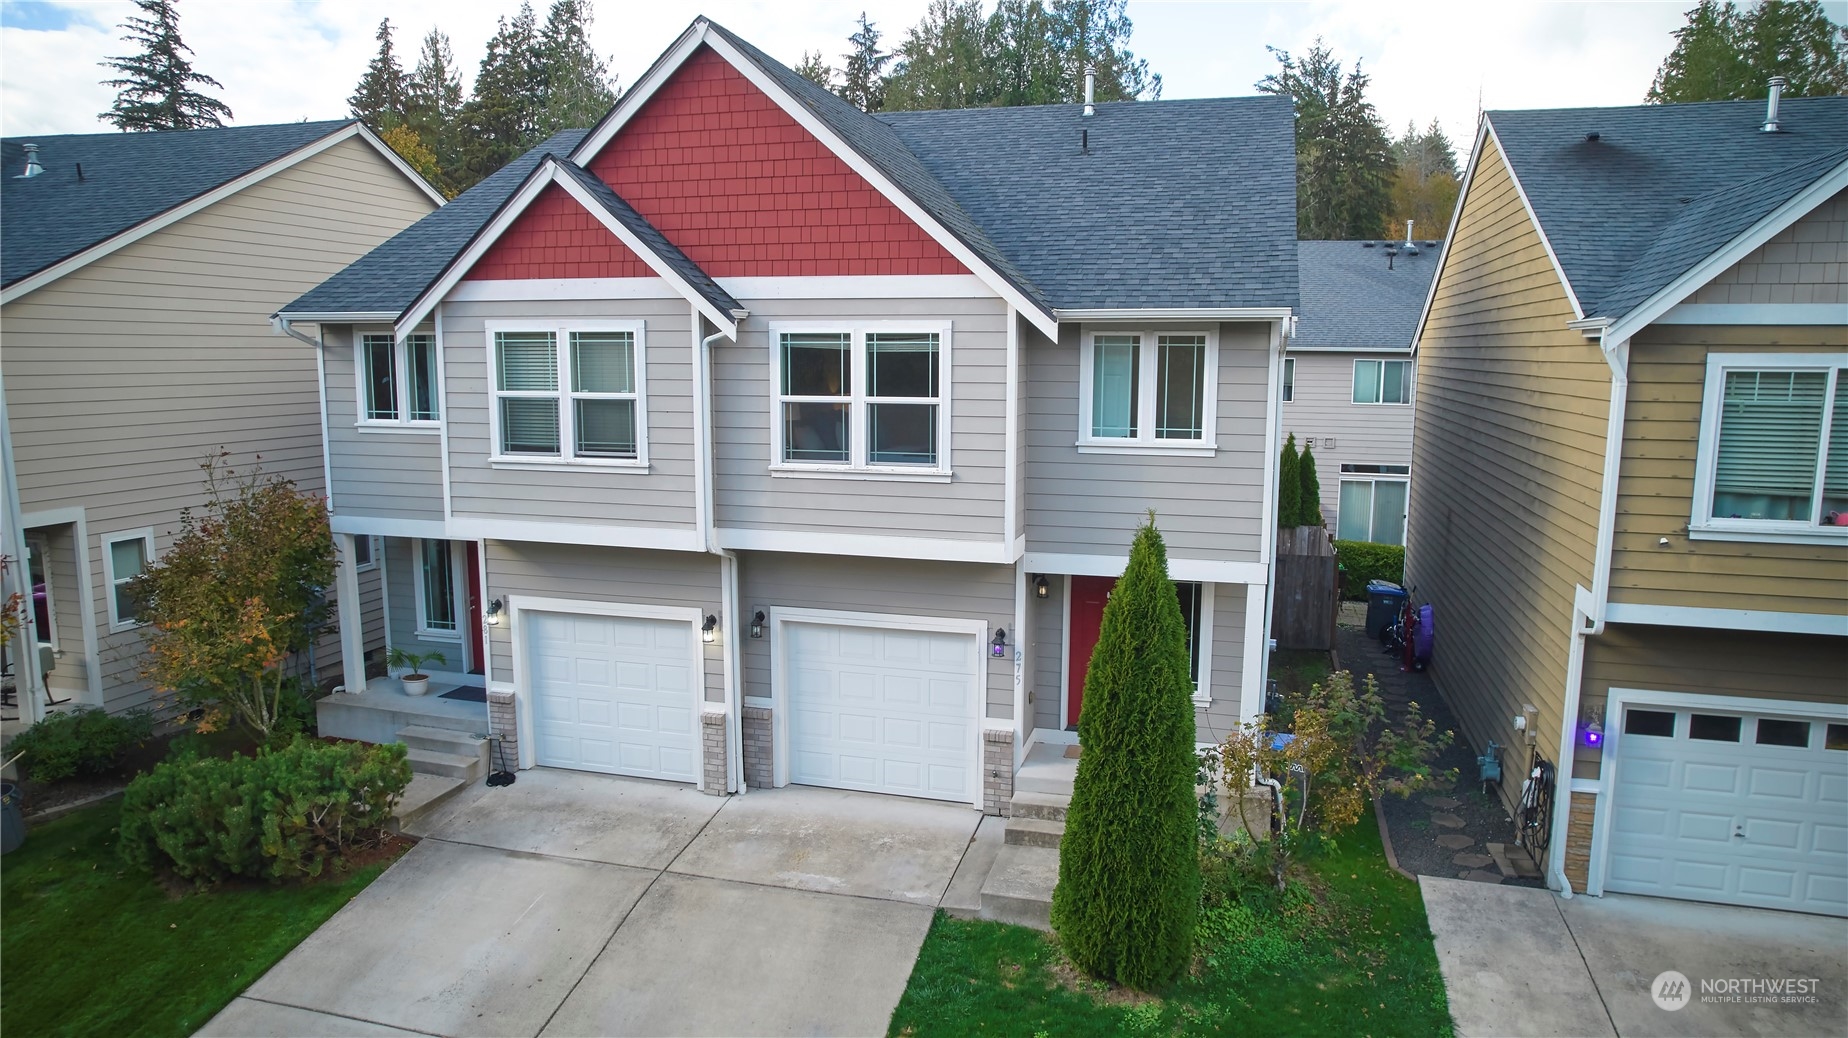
(351, 616)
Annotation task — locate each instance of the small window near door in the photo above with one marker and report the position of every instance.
(436, 602)
(1189, 594)
(1773, 732)
(1836, 737)
(1658, 723)
(44, 617)
(1713, 727)
(126, 557)
(365, 553)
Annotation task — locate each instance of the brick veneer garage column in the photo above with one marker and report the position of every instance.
(1578, 839)
(997, 772)
(758, 773)
(501, 726)
(712, 747)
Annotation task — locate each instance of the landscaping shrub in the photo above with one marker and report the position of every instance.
(1289, 486)
(282, 814)
(85, 741)
(1311, 486)
(1362, 561)
(1129, 872)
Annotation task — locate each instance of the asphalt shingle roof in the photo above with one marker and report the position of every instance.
(128, 179)
(1351, 300)
(1663, 186)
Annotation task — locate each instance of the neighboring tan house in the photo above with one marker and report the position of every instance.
(1632, 503)
(748, 438)
(1347, 377)
(140, 273)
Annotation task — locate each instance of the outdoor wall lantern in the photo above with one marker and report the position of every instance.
(999, 645)
(709, 630)
(495, 609)
(1040, 588)
(1594, 735)
(757, 624)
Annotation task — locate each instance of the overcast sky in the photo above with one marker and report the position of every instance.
(285, 60)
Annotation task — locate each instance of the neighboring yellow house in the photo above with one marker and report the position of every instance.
(1632, 511)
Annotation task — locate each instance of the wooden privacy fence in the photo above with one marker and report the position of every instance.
(1308, 593)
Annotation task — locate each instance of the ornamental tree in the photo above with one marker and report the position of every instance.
(237, 593)
(1129, 871)
(1310, 507)
(1289, 486)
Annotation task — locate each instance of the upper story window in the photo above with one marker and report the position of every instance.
(1382, 381)
(862, 400)
(1143, 390)
(1289, 379)
(569, 394)
(1773, 454)
(398, 379)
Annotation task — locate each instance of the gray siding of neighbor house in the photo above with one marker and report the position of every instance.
(1208, 507)
(123, 375)
(1323, 413)
(771, 580)
(390, 472)
(621, 575)
(967, 508)
(603, 496)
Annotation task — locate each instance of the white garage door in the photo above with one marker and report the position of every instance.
(1737, 808)
(882, 710)
(614, 694)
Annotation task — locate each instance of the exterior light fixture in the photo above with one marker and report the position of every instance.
(495, 609)
(1041, 589)
(757, 624)
(998, 647)
(1594, 735)
(708, 630)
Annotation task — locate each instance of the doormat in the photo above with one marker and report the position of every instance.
(1073, 751)
(467, 694)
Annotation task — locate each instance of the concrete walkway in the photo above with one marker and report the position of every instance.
(578, 904)
(1523, 963)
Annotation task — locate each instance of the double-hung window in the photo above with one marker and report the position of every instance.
(569, 394)
(1773, 455)
(1147, 389)
(125, 557)
(862, 399)
(397, 380)
(1382, 381)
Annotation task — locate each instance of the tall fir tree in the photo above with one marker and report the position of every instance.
(1128, 893)
(433, 105)
(815, 69)
(1024, 61)
(943, 61)
(501, 119)
(381, 99)
(1344, 160)
(578, 88)
(1094, 33)
(863, 71)
(1289, 486)
(155, 91)
(1022, 53)
(1723, 53)
(1310, 506)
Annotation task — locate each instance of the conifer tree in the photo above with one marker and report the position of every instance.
(815, 70)
(1289, 486)
(863, 75)
(1129, 872)
(1310, 507)
(1725, 53)
(1344, 160)
(501, 120)
(155, 91)
(380, 100)
(433, 107)
(578, 88)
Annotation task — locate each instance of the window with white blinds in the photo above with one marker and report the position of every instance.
(568, 394)
(1773, 446)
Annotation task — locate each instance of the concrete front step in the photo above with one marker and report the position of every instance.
(447, 765)
(1034, 832)
(423, 795)
(445, 752)
(1046, 770)
(1018, 889)
(1049, 806)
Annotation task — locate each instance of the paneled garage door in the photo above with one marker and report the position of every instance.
(882, 710)
(614, 694)
(1731, 807)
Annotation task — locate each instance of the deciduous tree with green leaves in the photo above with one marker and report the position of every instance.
(1725, 53)
(1129, 872)
(156, 88)
(1344, 162)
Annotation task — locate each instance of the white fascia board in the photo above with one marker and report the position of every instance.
(1727, 619)
(1799, 206)
(662, 538)
(402, 166)
(1293, 349)
(175, 215)
(1776, 314)
(1578, 312)
(1450, 236)
(1203, 570)
(426, 301)
(802, 542)
(1204, 313)
(382, 526)
(336, 317)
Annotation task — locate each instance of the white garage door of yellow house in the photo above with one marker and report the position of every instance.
(614, 694)
(886, 711)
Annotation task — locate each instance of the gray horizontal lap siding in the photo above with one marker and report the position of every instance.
(390, 475)
(1207, 507)
(969, 507)
(1323, 408)
(662, 497)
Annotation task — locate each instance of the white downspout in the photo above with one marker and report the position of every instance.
(31, 686)
(703, 508)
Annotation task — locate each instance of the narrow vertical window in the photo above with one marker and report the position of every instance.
(1115, 373)
(420, 366)
(437, 575)
(1180, 386)
(902, 390)
(1289, 379)
(816, 397)
(527, 388)
(603, 394)
(377, 356)
(127, 558)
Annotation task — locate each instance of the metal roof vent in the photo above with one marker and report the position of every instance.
(1777, 92)
(33, 168)
(1090, 89)
(1411, 247)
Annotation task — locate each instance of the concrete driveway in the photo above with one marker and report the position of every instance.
(1522, 962)
(578, 904)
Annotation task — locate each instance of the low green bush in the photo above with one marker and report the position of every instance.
(86, 741)
(1362, 561)
(282, 814)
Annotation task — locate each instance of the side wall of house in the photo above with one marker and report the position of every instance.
(1322, 413)
(382, 471)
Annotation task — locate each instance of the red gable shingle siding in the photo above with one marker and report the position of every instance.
(745, 191)
(557, 238)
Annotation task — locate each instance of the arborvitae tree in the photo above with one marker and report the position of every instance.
(155, 91)
(381, 99)
(1343, 158)
(1129, 871)
(1725, 54)
(815, 70)
(433, 106)
(863, 75)
(1289, 486)
(1310, 507)
(579, 89)
(502, 119)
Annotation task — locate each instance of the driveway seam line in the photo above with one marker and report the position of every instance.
(328, 1012)
(543, 854)
(1589, 972)
(932, 906)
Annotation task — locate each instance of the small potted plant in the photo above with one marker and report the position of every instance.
(414, 680)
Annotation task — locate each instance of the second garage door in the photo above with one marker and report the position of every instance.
(886, 711)
(615, 694)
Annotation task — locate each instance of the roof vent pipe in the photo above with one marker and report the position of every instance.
(1777, 92)
(1408, 232)
(33, 168)
(1090, 89)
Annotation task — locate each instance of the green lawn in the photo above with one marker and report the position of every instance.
(93, 947)
(1354, 959)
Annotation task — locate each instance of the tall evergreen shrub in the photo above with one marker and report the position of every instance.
(1311, 489)
(1289, 486)
(1129, 873)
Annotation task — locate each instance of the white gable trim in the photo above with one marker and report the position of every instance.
(204, 201)
(1578, 312)
(684, 47)
(1799, 206)
(548, 173)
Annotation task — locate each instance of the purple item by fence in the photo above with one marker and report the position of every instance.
(1427, 633)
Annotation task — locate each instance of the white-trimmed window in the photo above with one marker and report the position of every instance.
(867, 399)
(397, 380)
(365, 552)
(1382, 381)
(1289, 379)
(1147, 389)
(44, 604)
(569, 393)
(437, 609)
(125, 556)
(1371, 510)
(1773, 455)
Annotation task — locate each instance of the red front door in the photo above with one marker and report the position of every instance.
(1087, 614)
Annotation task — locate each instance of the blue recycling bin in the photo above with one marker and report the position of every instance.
(1384, 600)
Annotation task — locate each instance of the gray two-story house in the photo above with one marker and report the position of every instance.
(747, 439)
